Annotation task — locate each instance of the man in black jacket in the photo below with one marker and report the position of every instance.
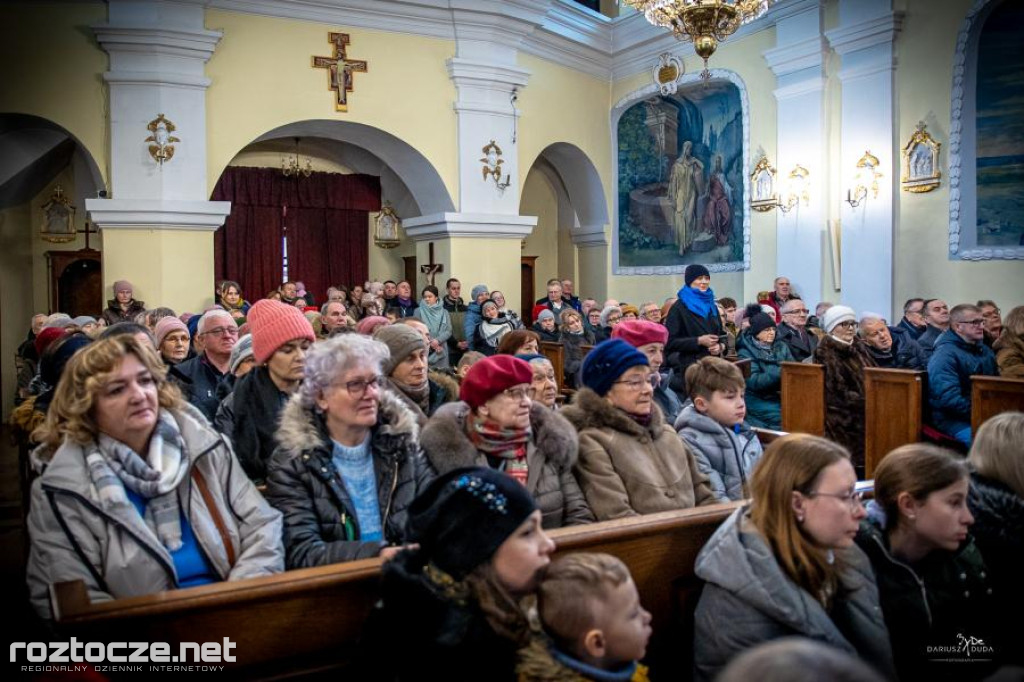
(793, 330)
(913, 318)
(936, 314)
(452, 302)
(891, 347)
(198, 378)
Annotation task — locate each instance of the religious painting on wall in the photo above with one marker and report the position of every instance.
(986, 137)
(1000, 128)
(681, 181)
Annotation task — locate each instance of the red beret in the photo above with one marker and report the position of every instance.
(490, 376)
(640, 332)
(47, 336)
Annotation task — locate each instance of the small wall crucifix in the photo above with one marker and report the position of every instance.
(431, 269)
(340, 69)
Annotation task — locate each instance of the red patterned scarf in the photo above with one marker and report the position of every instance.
(497, 443)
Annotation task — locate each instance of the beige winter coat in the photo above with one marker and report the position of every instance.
(626, 469)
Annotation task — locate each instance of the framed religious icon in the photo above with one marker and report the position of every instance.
(58, 218)
(385, 231)
(921, 162)
(762, 186)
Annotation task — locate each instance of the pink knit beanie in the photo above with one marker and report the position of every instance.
(273, 324)
(166, 325)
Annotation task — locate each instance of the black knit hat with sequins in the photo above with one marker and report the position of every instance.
(462, 517)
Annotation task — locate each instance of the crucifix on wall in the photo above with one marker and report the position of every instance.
(431, 269)
(340, 69)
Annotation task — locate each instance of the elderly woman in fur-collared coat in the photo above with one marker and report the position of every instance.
(347, 464)
(631, 462)
(844, 357)
(496, 424)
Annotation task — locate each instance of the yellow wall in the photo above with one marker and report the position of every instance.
(539, 200)
(924, 80)
(52, 67)
(482, 261)
(263, 78)
(163, 281)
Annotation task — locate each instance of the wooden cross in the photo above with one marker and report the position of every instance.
(431, 269)
(340, 69)
(87, 232)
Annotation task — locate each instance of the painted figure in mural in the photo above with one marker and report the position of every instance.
(685, 185)
(717, 217)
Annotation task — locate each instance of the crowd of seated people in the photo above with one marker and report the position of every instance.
(434, 436)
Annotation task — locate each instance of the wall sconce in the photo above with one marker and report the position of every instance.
(798, 189)
(866, 177)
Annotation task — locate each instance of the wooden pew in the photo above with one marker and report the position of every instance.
(307, 622)
(555, 352)
(803, 398)
(768, 436)
(992, 395)
(893, 412)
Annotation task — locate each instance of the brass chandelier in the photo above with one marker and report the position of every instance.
(703, 22)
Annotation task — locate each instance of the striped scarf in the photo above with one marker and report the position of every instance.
(113, 466)
(507, 446)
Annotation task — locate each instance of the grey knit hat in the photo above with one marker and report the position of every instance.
(241, 351)
(479, 289)
(545, 314)
(402, 340)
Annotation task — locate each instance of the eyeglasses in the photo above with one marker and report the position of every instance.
(973, 323)
(614, 319)
(222, 331)
(848, 324)
(517, 393)
(357, 388)
(637, 383)
(853, 499)
(805, 311)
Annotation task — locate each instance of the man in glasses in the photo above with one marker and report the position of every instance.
(959, 354)
(216, 335)
(913, 318)
(793, 330)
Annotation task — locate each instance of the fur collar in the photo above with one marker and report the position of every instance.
(302, 430)
(447, 446)
(591, 411)
(450, 386)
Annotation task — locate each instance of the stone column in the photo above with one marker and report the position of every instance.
(158, 224)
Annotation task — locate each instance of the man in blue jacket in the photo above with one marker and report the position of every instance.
(959, 353)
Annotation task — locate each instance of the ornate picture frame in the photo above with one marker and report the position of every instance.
(386, 226)
(763, 197)
(921, 162)
(58, 218)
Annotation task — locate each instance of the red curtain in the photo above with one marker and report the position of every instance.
(327, 219)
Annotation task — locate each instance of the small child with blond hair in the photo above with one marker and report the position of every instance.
(591, 624)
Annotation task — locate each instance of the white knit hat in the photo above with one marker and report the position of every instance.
(836, 314)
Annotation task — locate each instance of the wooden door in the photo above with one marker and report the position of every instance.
(527, 268)
(410, 275)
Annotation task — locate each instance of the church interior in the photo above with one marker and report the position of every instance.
(870, 151)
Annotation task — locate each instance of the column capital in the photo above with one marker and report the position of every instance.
(481, 225)
(119, 214)
(876, 31)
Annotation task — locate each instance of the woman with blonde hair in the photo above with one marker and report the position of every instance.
(786, 564)
(932, 580)
(996, 500)
(1009, 347)
(139, 494)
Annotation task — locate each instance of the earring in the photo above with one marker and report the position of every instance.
(800, 518)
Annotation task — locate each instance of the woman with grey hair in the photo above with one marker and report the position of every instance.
(348, 462)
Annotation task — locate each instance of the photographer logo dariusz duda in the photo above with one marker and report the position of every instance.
(967, 648)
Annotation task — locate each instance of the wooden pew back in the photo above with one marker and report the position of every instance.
(555, 352)
(308, 621)
(893, 412)
(992, 395)
(803, 398)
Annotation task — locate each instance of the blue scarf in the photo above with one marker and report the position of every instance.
(699, 302)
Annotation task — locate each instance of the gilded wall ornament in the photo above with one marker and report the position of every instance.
(762, 186)
(385, 230)
(162, 148)
(667, 73)
(492, 165)
(921, 162)
(340, 69)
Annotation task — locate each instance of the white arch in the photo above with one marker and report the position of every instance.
(582, 184)
(412, 168)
